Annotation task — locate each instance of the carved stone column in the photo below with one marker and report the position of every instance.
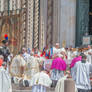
(49, 33)
(33, 24)
(23, 21)
(36, 24)
(56, 19)
(30, 5)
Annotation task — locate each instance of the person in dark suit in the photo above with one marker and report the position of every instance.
(4, 50)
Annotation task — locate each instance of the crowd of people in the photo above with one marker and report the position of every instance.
(46, 68)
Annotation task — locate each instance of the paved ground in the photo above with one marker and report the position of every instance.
(26, 91)
(16, 88)
(29, 90)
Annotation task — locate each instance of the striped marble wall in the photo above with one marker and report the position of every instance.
(67, 22)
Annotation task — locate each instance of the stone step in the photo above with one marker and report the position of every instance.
(16, 88)
(28, 91)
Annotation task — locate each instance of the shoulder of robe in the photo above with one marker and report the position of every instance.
(1, 47)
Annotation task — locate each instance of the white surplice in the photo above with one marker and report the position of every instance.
(40, 81)
(32, 67)
(60, 85)
(80, 74)
(38, 88)
(16, 64)
(89, 57)
(56, 74)
(5, 81)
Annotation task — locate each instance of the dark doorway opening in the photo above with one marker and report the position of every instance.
(90, 17)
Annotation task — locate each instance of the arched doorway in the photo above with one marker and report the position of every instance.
(90, 17)
(82, 20)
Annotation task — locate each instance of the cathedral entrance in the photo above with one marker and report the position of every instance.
(82, 20)
(90, 17)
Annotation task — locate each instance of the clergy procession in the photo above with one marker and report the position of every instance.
(45, 45)
(57, 69)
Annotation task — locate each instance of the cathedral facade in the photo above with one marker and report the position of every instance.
(52, 21)
(38, 23)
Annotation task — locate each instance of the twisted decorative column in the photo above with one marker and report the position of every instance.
(36, 24)
(49, 23)
(30, 5)
(23, 21)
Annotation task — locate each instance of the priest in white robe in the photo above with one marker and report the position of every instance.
(5, 79)
(17, 66)
(40, 82)
(65, 83)
(60, 84)
(35, 66)
(57, 70)
(81, 75)
(32, 66)
(56, 49)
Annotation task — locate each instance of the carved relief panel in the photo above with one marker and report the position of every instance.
(10, 25)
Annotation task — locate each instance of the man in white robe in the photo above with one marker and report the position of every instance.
(81, 75)
(56, 49)
(17, 66)
(55, 76)
(62, 84)
(32, 66)
(40, 82)
(5, 79)
(89, 54)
